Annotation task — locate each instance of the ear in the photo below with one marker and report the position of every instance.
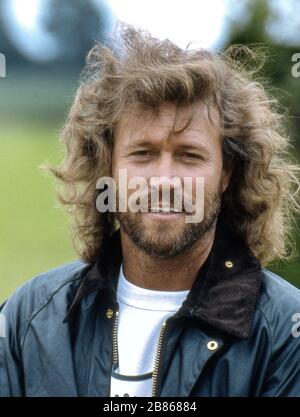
(226, 175)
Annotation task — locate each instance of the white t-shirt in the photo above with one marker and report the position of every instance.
(141, 315)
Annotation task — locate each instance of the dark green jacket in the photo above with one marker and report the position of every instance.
(234, 335)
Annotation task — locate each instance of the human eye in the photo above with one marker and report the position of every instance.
(144, 153)
(191, 156)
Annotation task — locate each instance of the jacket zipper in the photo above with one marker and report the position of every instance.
(157, 358)
(114, 356)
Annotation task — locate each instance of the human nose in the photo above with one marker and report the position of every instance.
(166, 181)
(166, 168)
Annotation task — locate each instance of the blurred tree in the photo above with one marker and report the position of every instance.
(71, 26)
(75, 24)
(13, 56)
(264, 22)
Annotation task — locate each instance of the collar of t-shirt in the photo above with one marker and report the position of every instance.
(141, 314)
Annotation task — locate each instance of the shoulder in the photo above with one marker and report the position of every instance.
(279, 306)
(276, 291)
(56, 285)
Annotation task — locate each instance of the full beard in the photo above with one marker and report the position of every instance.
(164, 240)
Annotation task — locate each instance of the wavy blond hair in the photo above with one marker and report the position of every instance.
(136, 69)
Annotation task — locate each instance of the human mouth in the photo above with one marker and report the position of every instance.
(166, 210)
(164, 214)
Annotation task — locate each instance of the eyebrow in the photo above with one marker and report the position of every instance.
(147, 143)
(198, 147)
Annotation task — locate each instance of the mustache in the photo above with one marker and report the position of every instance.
(155, 198)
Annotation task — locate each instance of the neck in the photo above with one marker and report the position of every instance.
(173, 274)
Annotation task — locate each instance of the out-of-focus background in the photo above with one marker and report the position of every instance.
(43, 44)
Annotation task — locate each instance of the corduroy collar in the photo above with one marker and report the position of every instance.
(224, 294)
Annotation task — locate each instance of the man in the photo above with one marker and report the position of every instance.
(157, 304)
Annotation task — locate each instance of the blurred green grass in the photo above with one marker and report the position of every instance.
(34, 231)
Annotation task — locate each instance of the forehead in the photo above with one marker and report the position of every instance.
(192, 123)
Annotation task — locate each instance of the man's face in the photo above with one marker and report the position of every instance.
(142, 147)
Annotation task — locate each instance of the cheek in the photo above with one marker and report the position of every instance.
(119, 164)
(133, 170)
(123, 179)
(211, 175)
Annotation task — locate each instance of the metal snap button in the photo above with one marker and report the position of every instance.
(229, 264)
(212, 345)
(109, 313)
